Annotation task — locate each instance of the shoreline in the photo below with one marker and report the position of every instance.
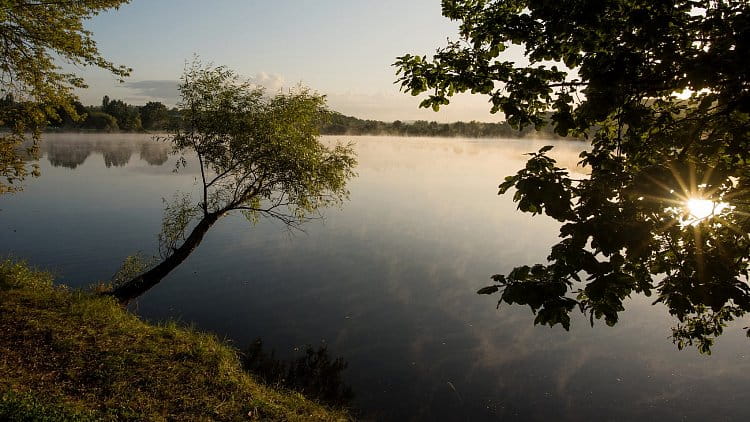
(79, 356)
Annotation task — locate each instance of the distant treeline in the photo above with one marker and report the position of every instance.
(117, 115)
(110, 116)
(347, 125)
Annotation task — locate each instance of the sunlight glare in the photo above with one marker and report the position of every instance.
(687, 93)
(701, 209)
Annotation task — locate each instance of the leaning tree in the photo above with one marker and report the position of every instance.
(661, 91)
(257, 155)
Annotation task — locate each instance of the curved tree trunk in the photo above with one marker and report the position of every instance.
(140, 284)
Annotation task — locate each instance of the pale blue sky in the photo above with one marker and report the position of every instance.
(342, 48)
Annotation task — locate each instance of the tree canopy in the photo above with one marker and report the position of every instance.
(35, 36)
(661, 90)
(257, 155)
(154, 116)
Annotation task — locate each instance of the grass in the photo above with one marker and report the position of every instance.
(69, 355)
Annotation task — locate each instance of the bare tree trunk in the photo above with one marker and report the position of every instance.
(137, 286)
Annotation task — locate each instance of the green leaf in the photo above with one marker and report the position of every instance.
(487, 290)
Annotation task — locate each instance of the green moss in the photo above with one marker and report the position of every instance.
(74, 356)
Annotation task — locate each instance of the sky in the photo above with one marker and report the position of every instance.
(341, 48)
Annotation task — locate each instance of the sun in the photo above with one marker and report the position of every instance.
(699, 209)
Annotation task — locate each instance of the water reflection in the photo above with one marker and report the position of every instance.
(312, 372)
(389, 283)
(72, 150)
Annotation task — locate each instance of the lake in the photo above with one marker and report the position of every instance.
(388, 282)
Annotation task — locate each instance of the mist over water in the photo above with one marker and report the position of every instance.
(388, 282)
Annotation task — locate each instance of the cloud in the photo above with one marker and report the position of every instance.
(167, 92)
(270, 81)
(155, 90)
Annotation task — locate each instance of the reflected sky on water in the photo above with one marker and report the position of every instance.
(388, 282)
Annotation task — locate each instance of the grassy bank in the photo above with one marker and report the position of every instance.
(71, 356)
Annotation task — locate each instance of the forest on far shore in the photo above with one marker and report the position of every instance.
(119, 116)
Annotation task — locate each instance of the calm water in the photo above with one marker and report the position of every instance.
(388, 282)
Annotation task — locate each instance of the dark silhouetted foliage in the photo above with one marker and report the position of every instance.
(661, 90)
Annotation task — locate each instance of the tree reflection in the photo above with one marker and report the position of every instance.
(72, 152)
(115, 154)
(312, 372)
(69, 155)
(153, 153)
